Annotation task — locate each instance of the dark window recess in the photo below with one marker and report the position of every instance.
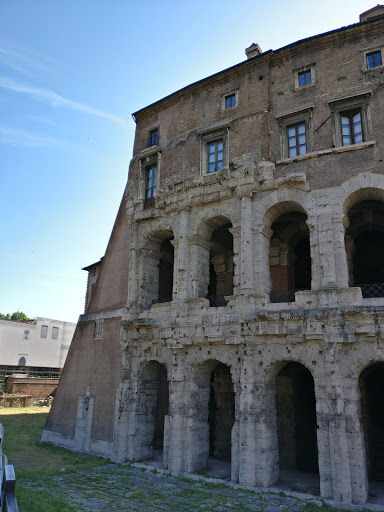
(305, 78)
(230, 101)
(215, 156)
(351, 128)
(150, 186)
(297, 144)
(374, 59)
(152, 139)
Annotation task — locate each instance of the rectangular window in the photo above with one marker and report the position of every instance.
(26, 335)
(230, 101)
(215, 156)
(44, 331)
(55, 333)
(150, 185)
(351, 128)
(297, 144)
(305, 78)
(373, 59)
(154, 137)
(93, 271)
(98, 332)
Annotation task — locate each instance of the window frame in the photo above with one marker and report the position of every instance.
(148, 161)
(350, 115)
(217, 162)
(150, 201)
(347, 106)
(373, 54)
(153, 137)
(44, 331)
(55, 333)
(365, 52)
(297, 145)
(295, 118)
(304, 74)
(308, 68)
(233, 98)
(208, 137)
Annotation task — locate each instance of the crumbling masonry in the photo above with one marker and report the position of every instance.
(238, 312)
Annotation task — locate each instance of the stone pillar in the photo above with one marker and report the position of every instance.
(338, 435)
(322, 252)
(177, 429)
(135, 273)
(181, 283)
(339, 226)
(236, 234)
(150, 282)
(199, 250)
(246, 267)
(84, 420)
(262, 274)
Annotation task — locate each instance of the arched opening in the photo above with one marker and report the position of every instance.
(166, 271)
(364, 243)
(371, 383)
(158, 263)
(289, 257)
(22, 361)
(152, 408)
(221, 266)
(296, 419)
(215, 415)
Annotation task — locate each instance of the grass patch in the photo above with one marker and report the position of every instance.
(36, 501)
(32, 459)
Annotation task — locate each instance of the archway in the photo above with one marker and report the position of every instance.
(289, 256)
(364, 243)
(152, 408)
(371, 383)
(215, 416)
(296, 419)
(221, 266)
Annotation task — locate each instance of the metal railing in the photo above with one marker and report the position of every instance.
(217, 301)
(372, 290)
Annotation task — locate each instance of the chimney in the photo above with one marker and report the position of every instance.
(253, 51)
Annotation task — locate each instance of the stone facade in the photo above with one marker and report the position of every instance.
(238, 312)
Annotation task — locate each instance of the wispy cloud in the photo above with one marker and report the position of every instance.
(56, 100)
(22, 139)
(23, 60)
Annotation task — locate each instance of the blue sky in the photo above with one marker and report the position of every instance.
(71, 74)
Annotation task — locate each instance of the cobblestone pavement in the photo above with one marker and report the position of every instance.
(125, 487)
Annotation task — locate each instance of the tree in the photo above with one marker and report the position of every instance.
(18, 316)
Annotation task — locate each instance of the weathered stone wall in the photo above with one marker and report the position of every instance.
(235, 369)
(34, 387)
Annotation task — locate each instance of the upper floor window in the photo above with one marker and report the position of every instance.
(26, 335)
(98, 331)
(305, 78)
(150, 185)
(373, 59)
(93, 271)
(55, 333)
(297, 143)
(230, 101)
(154, 137)
(351, 127)
(44, 331)
(215, 155)
(351, 120)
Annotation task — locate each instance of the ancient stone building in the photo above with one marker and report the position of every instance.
(238, 312)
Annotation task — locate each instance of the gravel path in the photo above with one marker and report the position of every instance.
(125, 487)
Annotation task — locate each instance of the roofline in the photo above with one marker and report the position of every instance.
(268, 52)
(93, 264)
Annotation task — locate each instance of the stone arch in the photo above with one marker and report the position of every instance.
(364, 240)
(158, 267)
(353, 190)
(292, 389)
(214, 259)
(289, 251)
(371, 386)
(214, 412)
(274, 204)
(151, 408)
